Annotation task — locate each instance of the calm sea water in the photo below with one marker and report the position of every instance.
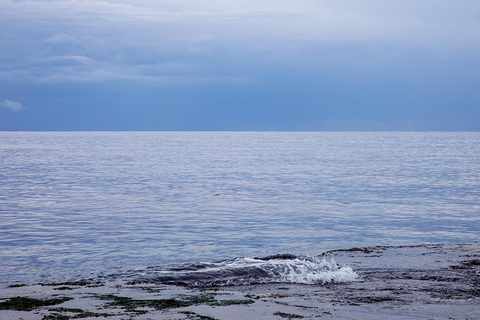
(82, 204)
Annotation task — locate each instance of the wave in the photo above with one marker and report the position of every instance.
(283, 268)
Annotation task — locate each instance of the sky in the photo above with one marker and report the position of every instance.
(301, 65)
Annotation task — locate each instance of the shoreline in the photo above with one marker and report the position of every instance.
(431, 281)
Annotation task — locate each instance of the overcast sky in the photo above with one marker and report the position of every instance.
(240, 65)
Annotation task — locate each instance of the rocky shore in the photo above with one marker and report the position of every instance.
(440, 281)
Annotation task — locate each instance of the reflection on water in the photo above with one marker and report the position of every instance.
(76, 204)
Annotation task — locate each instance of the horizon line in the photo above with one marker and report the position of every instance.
(253, 131)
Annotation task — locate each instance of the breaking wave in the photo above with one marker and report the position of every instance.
(244, 271)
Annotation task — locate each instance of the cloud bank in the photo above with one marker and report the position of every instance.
(90, 40)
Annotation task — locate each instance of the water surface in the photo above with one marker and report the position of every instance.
(79, 204)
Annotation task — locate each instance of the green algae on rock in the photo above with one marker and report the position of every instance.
(288, 315)
(28, 304)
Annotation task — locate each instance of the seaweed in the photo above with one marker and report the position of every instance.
(222, 303)
(80, 314)
(196, 316)
(61, 309)
(131, 304)
(28, 304)
(288, 315)
(56, 316)
(17, 285)
(81, 283)
(471, 263)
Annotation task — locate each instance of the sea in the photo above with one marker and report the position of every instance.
(152, 205)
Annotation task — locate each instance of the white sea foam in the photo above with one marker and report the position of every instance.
(304, 271)
(314, 272)
(243, 271)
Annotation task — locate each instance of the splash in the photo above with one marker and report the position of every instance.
(245, 271)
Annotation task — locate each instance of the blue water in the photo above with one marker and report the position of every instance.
(81, 204)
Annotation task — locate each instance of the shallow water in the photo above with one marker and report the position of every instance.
(80, 204)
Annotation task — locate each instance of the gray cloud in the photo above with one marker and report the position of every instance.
(12, 105)
(73, 40)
